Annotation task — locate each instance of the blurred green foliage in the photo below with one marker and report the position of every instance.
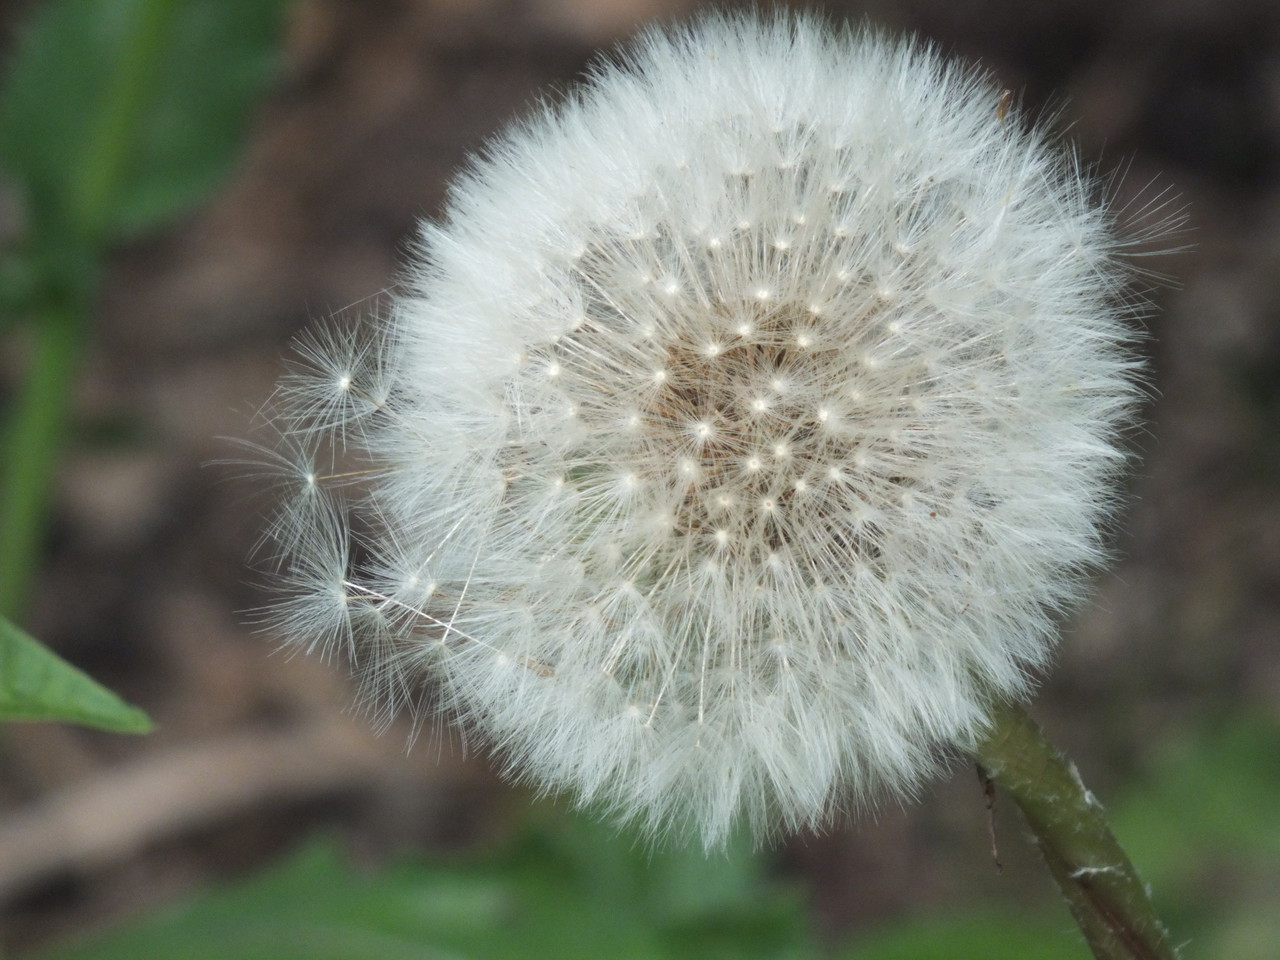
(1204, 825)
(567, 889)
(116, 117)
(571, 888)
(119, 115)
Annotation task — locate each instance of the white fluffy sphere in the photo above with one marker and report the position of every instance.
(744, 423)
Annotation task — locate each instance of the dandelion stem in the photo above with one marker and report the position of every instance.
(1101, 886)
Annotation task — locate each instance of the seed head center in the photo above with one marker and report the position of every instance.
(733, 430)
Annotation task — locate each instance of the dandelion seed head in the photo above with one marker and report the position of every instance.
(811, 435)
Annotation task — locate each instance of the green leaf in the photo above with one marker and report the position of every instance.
(36, 684)
(224, 54)
(117, 115)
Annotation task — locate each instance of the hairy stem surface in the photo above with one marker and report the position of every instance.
(1101, 886)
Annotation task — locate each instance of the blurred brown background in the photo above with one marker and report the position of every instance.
(146, 584)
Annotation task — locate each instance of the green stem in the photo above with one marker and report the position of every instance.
(32, 443)
(1101, 886)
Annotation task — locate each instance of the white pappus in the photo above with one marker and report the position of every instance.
(739, 431)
